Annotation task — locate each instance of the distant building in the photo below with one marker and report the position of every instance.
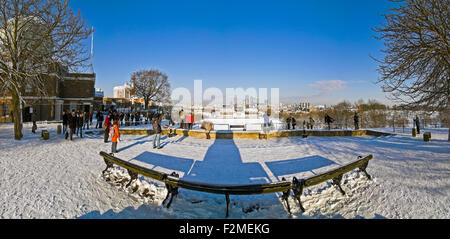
(123, 91)
(305, 107)
(320, 107)
(125, 96)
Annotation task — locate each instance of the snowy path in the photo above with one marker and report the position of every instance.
(61, 179)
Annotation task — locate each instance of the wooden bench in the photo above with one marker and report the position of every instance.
(173, 182)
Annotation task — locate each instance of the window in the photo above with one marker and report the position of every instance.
(73, 106)
(5, 109)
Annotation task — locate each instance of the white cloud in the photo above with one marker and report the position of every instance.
(330, 85)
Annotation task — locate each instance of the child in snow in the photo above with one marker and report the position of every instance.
(115, 135)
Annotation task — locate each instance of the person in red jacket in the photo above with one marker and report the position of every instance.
(107, 127)
(115, 135)
(190, 121)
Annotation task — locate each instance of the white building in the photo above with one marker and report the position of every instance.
(123, 92)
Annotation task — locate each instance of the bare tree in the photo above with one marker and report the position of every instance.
(342, 114)
(151, 85)
(37, 38)
(372, 114)
(416, 66)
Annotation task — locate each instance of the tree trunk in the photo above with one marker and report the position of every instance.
(448, 123)
(146, 103)
(17, 113)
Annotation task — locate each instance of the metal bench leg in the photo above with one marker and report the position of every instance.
(173, 194)
(285, 197)
(168, 194)
(363, 169)
(108, 166)
(227, 199)
(133, 176)
(171, 191)
(337, 182)
(297, 188)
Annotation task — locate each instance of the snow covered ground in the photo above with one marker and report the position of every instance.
(62, 179)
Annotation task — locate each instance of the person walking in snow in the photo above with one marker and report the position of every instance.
(121, 116)
(181, 114)
(266, 123)
(91, 115)
(34, 119)
(288, 123)
(328, 120)
(189, 121)
(107, 127)
(417, 123)
(115, 135)
(86, 120)
(311, 122)
(99, 117)
(156, 123)
(293, 122)
(356, 119)
(72, 121)
(77, 128)
(127, 118)
(80, 124)
(65, 122)
(132, 119)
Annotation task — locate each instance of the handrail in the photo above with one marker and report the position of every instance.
(173, 182)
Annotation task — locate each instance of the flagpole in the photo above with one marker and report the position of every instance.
(92, 51)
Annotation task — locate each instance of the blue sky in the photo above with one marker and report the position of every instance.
(318, 50)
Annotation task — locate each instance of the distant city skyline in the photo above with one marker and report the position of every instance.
(316, 52)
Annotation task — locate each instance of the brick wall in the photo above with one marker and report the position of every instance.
(78, 89)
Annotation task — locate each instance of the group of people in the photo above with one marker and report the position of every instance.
(309, 124)
(329, 121)
(186, 120)
(127, 119)
(75, 122)
(291, 122)
(111, 128)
